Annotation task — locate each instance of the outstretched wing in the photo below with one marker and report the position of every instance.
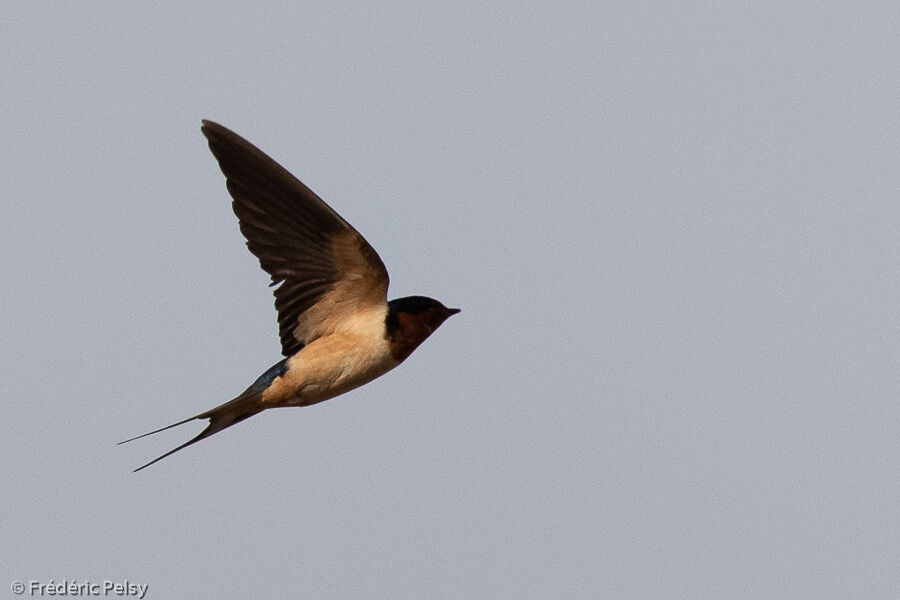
(326, 269)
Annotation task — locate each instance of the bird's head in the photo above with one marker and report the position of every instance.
(411, 320)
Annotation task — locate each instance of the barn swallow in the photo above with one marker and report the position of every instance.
(338, 330)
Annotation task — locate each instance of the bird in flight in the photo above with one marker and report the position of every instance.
(338, 330)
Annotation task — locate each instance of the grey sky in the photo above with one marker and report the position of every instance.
(674, 234)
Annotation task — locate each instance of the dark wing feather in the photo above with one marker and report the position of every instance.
(316, 256)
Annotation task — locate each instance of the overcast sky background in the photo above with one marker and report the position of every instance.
(674, 234)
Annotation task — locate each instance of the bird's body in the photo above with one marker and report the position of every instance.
(338, 331)
(337, 363)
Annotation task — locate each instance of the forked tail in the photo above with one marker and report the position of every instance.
(222, 417)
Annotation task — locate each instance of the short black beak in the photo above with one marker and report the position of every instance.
(452, 311)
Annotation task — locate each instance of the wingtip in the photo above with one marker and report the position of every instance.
(207, 126)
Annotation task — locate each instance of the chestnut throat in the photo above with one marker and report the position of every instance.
(409, 322)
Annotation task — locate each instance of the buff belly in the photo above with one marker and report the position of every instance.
(330, 366)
